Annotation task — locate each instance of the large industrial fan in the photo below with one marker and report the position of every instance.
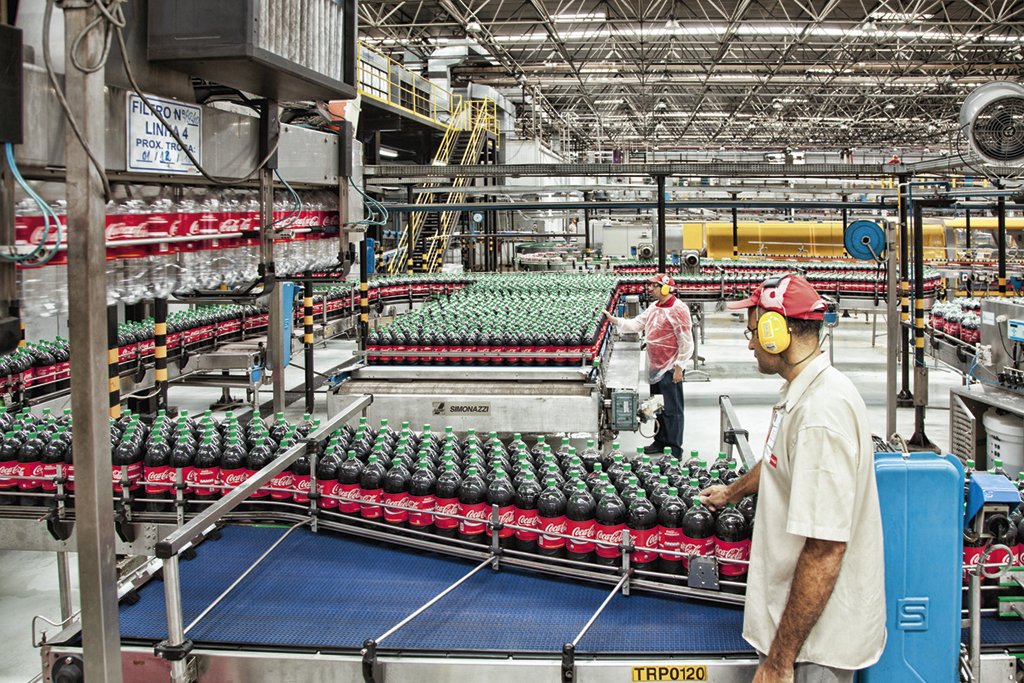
(992, 123)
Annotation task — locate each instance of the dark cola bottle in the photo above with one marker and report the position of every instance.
(732, 543)
(642, 522)
(349, 494)
(580, 520)
(670, 532)
(473, 504)
(182, 464)
(747, 506)
(526, 515)
(395, 494)
(371, 489)
(259, 457)
(327, 480)
(500, 492)
(609, 523)
(232, 466)
(158, 475)
(30, 469)
(9, 468)
(630, 491)
(206, 473)
(698, 532)
(690, 491)
(446, 501)
(551, 520)
(658, 491)
(590, 456)
(422, 487)
(537, 452)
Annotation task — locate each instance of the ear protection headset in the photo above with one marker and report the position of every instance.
(665, 289)
(773, 333)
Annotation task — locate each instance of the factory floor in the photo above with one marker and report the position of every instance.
(28, 581)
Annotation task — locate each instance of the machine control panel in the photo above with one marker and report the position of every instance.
(1015, 330)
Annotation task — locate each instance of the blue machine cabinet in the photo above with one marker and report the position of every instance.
(921, 498)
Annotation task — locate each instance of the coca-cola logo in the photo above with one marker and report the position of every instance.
(8, 469)
(555, 528)
(234, 479)
(349, 492)
(699, 548)
(371, 496)
(528, 520)
(475, 513)
(737, 553)
(507, 517)
(126, 230)
(608, 535)
(448, 509)
(32, 470)
(586, 532)
(303, 484)
(161, 475)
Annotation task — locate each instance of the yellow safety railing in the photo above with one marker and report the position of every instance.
(381, 78)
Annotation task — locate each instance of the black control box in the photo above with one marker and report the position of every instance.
(11, 126)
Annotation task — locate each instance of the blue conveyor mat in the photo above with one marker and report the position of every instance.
(322, 591)
(1001, 633)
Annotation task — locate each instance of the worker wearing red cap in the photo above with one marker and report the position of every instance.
(815, 606)
(666, 326)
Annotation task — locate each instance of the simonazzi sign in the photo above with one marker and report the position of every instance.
(460, 408)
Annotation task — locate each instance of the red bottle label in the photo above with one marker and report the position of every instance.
(302, 485)
(608, 534)
(328, 492)
(696, 546)
(1018, 552)
(529, 520)
(582, 534)
(506, 515)
(476, 511)
(393, 515)
(646, 538)
(206, 480)
(367, 508)
(670, 538)
(549, 526)
(284, 481)
(49, 474)
(971, 558)
(349, 496)
(159, 480)
(9, 468)
(233, 479)
(446, 506)
(726, 552)
(69, 474)
(133, 475)
(424, 506)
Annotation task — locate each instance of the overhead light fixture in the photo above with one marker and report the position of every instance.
(388, 153)
(588, 18)
(473, 27)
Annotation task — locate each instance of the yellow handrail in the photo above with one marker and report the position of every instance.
(381, 78)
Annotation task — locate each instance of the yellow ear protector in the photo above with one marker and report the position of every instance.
(773, 333)
(665, 289)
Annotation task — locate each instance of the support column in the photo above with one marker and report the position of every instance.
(364, 296)
(87, 300)
(735, 228)
(160, 351)
(586, 224)
(919, 440)
(904, 398)
(276, 341)
(1001, 223)
(113, 364)
(662, 240)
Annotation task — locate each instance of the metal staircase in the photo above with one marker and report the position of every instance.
(425, 240)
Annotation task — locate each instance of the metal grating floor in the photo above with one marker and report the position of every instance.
(320, 591)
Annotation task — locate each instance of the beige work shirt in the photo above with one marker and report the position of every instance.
(818, 481)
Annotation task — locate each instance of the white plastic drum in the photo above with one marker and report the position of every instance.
(1005, 441)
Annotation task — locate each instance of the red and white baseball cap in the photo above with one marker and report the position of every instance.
(790, 295)
(663, 279)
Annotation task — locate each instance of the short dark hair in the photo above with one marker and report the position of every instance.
(799, 327)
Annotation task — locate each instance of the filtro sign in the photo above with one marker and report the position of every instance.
(151, 146)
(460, 408)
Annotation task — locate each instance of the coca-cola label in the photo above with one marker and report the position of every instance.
(696, 546)
(727, 553)
(645, 544)
(158, 480)
(549, 526)
(529, 520)
(443, 507)
(582, 536)
(476, 511)
(303, 485)
(368, 506)
(1018, 550)
(327, 490)
(133, 475)
(349, 496)
(424, 507)
(206, 479)
(9, 468)
(670, 538)
(394, 515)
(49, 477)
(33, 473)
(506, 516)
(233, 478)
(283, 483)
(608, 534)
(69, 474)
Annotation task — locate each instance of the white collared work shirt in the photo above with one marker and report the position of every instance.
(818, 481)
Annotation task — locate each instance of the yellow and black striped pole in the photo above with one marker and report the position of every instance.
(904, 396)
(160, 351)
(1001, 224)
(113, 363)
(16, 312)
(735, 228)
(307, 337)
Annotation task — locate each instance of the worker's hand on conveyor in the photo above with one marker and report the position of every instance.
(716, 497)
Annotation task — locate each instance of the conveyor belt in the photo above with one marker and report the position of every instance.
(325, 592)
(1000, 634)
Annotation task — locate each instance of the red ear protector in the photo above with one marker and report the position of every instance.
(773, 333)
